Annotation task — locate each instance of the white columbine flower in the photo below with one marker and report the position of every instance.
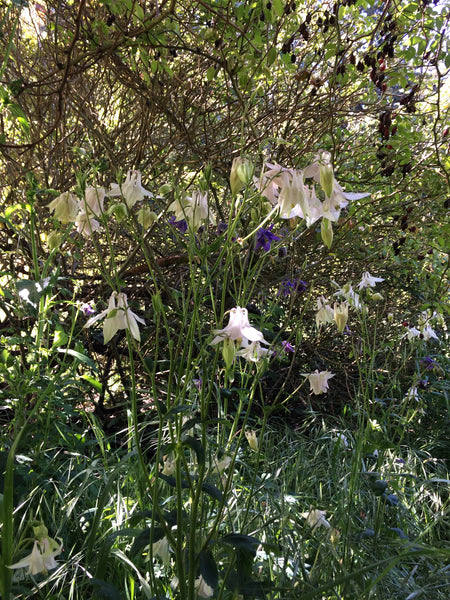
(325, 313)
(161, 548)
(315, 518)
(86, 224)
(41, 558)
(222, 464)
(238, 329)
(131, 189)
(341, 315)
(412, 394)
(117, 316)
(252, 352)
(65, 207)
(319, 381)
(252, 439)
(349, 294)
(197, 209)
(292, 195)
(368, 281)
(203, 589)
(428, 333)
(193, 209)
(94, 198)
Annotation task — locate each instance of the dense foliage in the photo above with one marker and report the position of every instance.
(224, 299)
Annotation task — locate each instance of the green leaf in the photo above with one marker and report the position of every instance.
(104, 590)
(95, 384)
(212, 491)
(278, 7)
(196, 446)
(143, 539)
(81, 357)
(210, 73)
(208, 568)
(240, 540)
(272, 56)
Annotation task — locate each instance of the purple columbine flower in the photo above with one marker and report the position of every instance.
(429, 363)
(182, 225)
(222, 227)
(264, 238)
(288, 287)
(287, 347)
(197, 382)
(87, 309)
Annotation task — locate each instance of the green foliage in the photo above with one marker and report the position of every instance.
(186, 457)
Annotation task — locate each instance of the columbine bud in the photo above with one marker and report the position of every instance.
(40, 531)
(54, 240)
(390, 317)
(341, 315)
(165, 189)
(326, 230)
(252, 439)
(326, 178)
(120, 211)
(377, 297)
(146, 217)
(228, 352)
(241, 174)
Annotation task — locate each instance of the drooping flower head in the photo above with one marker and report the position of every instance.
(181, 225)
(264, 238)
(367, 281)
(341, 315)
(86, 224)
(319, 381)
(94, 198)
(65, 207)
(238, 329)
(325, 313)
(42, 557)
(131, 189)
(117, 316)
(287, 287)
(192, 209)
(241, 174)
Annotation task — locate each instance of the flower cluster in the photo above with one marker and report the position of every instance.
(424, 331)
(192, 209)
(85, 213)
(286, 189)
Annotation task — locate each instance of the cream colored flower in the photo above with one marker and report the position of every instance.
(238, 329)
(131, 189)
(368, 281)
(65, 207)
(169, 464)
(325, 313)
(202, 588)
(86, 225)
(41, 558)
(117, 316)
(161, 548)
(319, 381)
(316, 518)
(241, 174)
(94, 198)
(341, 315)
(252, 352)
(252, 439)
